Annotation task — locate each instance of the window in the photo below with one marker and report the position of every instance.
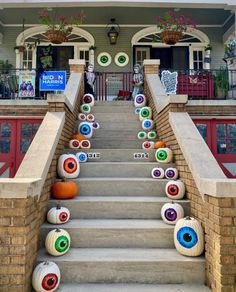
(27, 62)
(226, 138)
(141, 53)
(84, 55)
(198, 59)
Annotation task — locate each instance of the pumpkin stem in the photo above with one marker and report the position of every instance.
(172, 202)
(187, 218)
(58, 207)
(58, 230)
(45, 263)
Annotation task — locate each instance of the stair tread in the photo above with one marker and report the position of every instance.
(149, 199)
(120, 179)
(112, 224)
(164, 255)
(132, 288)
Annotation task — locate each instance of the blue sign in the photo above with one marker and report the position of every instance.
(52, 80)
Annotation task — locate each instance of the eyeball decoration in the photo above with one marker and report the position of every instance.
(95, 125)
(142, 135)
(171, 173)
(68, 166)
(175, 189)
(57, 242)
(86, 129)
(147, 124)
(158, 172)
(137, 111)
(82, 157)
(58, 215)
(74, 144)
(145, 113)
(85, 108)
(152, 135)
(140, 100)
(148, 145)
(82, 117)
(90, 118)
(85, 144)
(171, 213)
(189, 237)
(88, 99)
(164, 155)
(46, 277)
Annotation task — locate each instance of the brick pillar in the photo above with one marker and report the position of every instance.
(77, 66)
(151, 66)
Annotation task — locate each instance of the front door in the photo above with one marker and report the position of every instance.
(16, 136)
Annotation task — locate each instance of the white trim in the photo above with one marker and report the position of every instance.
(153, 29)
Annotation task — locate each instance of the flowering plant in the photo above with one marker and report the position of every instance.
(175, 23)
(61, 23)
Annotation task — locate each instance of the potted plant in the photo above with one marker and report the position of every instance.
(172, 27)
(59, 29)
(19, 49)
(221, 82)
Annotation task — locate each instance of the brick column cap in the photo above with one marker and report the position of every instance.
(76, 62)
(151, 62)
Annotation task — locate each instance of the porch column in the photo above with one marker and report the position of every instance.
(77, 66)
(151, 66)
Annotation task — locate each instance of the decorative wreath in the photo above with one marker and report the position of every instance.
(121, 59)
(104, 59)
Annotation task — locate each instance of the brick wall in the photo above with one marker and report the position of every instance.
(20, 219)
(217, 215)
(23, 110)
(211, 110)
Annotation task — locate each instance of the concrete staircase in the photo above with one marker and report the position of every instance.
(119, 242)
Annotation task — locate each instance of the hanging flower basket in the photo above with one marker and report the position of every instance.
(56, 36)
(171, 37)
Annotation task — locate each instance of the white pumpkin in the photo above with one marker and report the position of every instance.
(57, 242)
(74, 144)
(147, 124)
(85, 108)
(142, 135)
(175, 189)
(140, 100)
(189, 237)
(151, 135)
(85, 144)
(171, 173)
(82, 157)
(88, 99)
(82, 117)
(145, 113)
(86, 129)
(58, 215)
(164, 155)
(46, 277)
(158, 172)
(68, 166)
(171, 213)
(90, 118)
(148, 145)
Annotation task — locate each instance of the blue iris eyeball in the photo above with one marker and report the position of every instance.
(147, 124)
(187, 237)
(137, 110)
(85, 129)
(81, 156)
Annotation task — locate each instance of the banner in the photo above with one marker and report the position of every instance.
(52, 80)
(27, 83)
(169, 81)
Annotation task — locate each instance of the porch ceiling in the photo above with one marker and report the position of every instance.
(102, 15)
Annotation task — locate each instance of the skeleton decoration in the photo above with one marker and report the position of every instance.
(137, 80)
(89, 79)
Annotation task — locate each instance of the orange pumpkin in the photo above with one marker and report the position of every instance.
(63, 190)
(78, 137)
(159, 144)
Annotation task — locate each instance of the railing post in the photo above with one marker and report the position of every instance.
(151, 66)
(77, 66)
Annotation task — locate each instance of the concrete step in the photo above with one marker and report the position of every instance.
(121, 186)
(117, 265)
(117, 155)
(116, 134)
(116, 233)
(129, 109)
(132, 288)
(132, 125)
(114, 143)
(120, 169)
(116, 117)
(116, 103)
(117, 207)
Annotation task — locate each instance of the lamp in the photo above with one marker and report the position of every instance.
(113, 30)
